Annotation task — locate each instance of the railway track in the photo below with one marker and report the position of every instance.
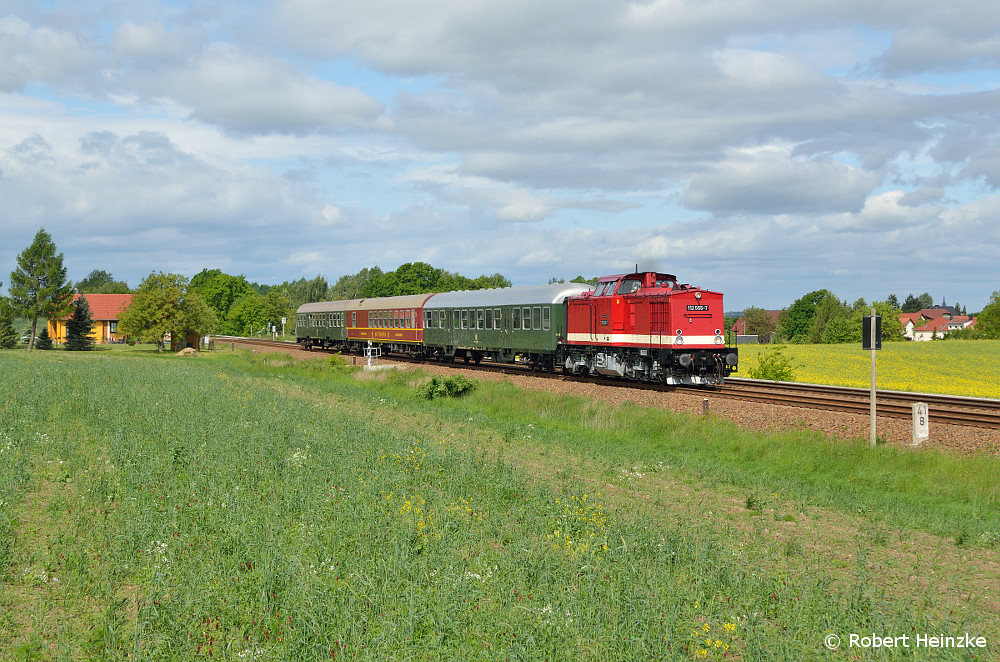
(943, 409)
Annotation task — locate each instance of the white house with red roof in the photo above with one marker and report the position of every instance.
(931, 323)
(105, 310)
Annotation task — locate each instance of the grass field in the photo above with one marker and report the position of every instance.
(952, 367)
(153, 507)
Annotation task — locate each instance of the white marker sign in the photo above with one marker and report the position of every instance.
(921, 423)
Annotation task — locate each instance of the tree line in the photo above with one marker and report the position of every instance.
(820, 317)
(210, 302)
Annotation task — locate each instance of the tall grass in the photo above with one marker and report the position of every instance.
(169, 509)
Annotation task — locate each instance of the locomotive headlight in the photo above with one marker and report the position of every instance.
(718, 332)
(680, 332)
(679, 340)
(697, 295)
(718, 340)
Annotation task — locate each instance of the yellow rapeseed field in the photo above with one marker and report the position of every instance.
(951, 367)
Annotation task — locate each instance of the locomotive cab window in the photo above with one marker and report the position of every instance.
(629, 285)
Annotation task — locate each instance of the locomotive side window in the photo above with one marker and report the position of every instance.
(629, 285)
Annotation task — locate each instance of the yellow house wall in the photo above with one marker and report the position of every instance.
(57, 331)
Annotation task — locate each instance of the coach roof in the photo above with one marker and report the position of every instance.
(507, 296)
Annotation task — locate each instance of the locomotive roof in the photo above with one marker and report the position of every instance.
(507, 296)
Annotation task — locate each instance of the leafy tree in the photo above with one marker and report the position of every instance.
(988, 320)
(8, 336)
(893, 301)
(163, 303)
(44, 339)
(220, 290)
(892, 328)
(829, 321)
(585, 281)
(38, 286)
(795, 322)
(307, 291)
(99, 281)
(350, 287)
(756, 322)
(253, 313)
(914, 304)
(79, 327)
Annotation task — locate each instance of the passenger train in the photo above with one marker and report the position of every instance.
(641, 326)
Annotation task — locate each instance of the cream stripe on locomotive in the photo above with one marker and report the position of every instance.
(639, 340)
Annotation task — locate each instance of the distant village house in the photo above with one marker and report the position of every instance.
(931, 323)
(105, 310)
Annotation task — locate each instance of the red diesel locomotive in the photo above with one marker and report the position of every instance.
(647, 327)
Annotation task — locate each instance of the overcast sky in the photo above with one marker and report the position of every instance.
(762, 148)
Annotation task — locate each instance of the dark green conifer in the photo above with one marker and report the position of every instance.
(44, 339)
(8, 336)
(79, 327)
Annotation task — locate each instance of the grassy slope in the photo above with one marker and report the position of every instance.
(163, 508)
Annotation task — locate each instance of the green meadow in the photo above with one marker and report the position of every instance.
(254, 507)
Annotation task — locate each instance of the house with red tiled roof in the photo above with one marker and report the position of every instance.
(739, 327)
(942, 325)
(105, 310)
(933, 322)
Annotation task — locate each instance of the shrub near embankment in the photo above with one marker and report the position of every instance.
(262, 512)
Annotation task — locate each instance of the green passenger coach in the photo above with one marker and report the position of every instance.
(499, 324)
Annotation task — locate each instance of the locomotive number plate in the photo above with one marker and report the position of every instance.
(697, 308)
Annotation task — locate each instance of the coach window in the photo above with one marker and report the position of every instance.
(546, 318)
(489, 318)
(536, 318)
(526, 318)
(480, 315)
(497, 323)
(515, 318)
